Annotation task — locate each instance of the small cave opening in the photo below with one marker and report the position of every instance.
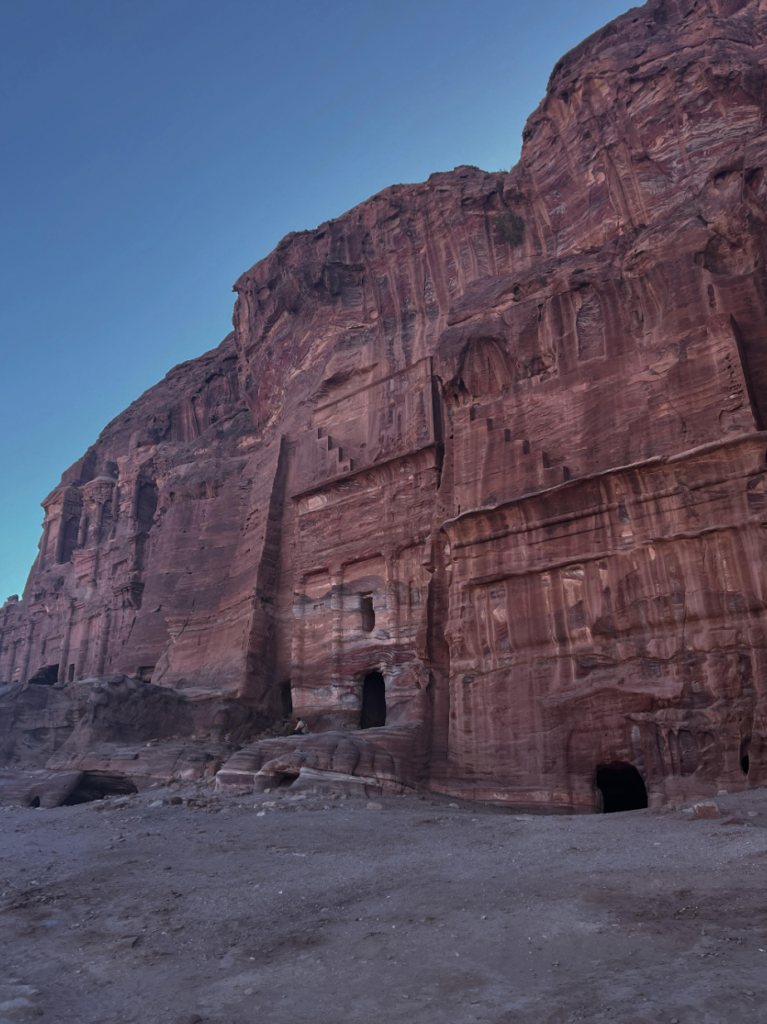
(622, 787)
(35, 802)
(96, 785)
(46, 676)
(287, 781)
(368, 613)
(373, 714)
(286, 699)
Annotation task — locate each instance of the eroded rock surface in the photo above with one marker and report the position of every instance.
(109, 735)
(492, 443)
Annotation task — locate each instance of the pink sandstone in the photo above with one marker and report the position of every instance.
(495, 437)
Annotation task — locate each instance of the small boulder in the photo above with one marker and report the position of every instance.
(706, 810)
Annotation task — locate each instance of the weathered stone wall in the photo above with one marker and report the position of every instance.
(495, 436)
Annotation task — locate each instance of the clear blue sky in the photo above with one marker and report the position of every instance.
(153, 150)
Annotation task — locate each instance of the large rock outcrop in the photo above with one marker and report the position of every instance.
(483, 459)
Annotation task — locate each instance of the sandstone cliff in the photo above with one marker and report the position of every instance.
(482, 466)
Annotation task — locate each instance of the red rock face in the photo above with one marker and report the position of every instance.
(496, 437)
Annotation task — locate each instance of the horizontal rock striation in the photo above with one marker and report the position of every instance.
(482, 467)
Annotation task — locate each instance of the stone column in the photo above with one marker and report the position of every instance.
(81, 662)
(27, 654)
(64, 655)
(101, 658)
(12, 666)
(44, 540)
(59, 553)
(337, 645)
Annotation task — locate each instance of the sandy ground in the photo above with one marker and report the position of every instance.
(284, 910)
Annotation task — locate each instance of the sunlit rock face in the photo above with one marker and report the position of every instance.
(495, 438)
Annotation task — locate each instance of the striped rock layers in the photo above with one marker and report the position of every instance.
(482, 466)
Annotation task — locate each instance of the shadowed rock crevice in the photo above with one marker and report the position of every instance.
(621, 786)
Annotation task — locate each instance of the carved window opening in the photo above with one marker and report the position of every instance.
(145, 673)
(71, 673)
(622, 787)
(286, 699)
(368, 613)
(373, 714)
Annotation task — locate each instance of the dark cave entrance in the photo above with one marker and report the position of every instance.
(97, 785)
(46, 676)
(373, 714)
(622, 787)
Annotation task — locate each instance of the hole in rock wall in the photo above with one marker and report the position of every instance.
(373, 714)
(96, 785)
(144, 673)
(35, 802)
(286, 781)
(745, 759)
(286, 699)
(622, 787)
(45, 676)
(71, 674)
(368, 614)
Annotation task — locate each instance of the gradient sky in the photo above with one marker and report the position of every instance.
(153, 150)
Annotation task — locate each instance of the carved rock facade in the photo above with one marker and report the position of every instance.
(482, 466)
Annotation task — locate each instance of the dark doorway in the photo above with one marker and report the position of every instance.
(286, 699)
(368, 614)
(373, 713)
(745, 760)
(622, 787)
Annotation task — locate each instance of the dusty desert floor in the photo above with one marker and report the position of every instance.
(286, 910)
